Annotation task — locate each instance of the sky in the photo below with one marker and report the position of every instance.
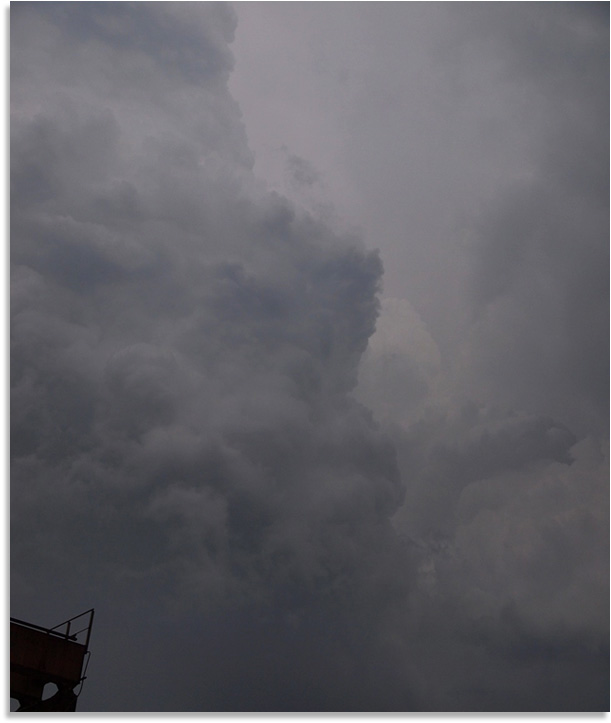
(309, 352)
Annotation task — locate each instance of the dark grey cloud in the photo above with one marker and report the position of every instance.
(542, 254)
(302, 172)
(280, 493)
(185, 453)
(502, 442)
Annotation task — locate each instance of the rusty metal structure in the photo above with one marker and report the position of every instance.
(56, 655)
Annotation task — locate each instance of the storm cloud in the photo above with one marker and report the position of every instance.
(283, 486)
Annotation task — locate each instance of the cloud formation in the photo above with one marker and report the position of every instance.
(541, 255)
(183, 348)
(278, 492)
(502, 443)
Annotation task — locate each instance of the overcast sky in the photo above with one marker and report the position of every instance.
(309, 351)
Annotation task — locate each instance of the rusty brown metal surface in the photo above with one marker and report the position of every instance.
(40, 656)
(59, 660)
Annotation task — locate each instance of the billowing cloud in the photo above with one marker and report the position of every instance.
(502, 441)
(505, 518)
(183, 348)
(279, 492)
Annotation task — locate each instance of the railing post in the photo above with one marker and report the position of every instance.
(89, 628)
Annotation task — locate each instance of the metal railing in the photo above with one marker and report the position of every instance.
(67, 634)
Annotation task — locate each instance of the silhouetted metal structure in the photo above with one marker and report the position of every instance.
(49, 655)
